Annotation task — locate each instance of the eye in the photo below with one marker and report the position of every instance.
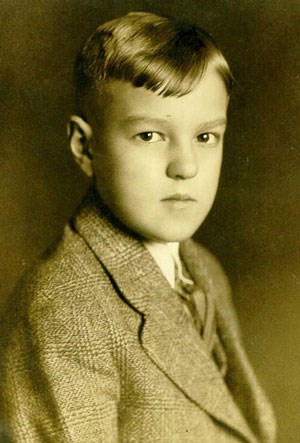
(149, 136)
(208, 138)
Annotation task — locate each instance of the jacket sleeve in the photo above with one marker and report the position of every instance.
(60, 381)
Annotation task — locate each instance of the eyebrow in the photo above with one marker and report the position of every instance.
(213, 124)
(144, 119)
(152, 120)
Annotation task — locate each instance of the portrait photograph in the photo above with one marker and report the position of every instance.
(149, 221)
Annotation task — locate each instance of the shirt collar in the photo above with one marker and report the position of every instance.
(165, 256)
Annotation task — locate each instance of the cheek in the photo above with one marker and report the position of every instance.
(131, 171)
(209, 171)
(119, 180)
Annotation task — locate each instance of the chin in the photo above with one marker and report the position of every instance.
(171, 235)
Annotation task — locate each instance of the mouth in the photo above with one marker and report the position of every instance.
(179, 198)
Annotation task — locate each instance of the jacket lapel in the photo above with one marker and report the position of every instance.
(167, 335)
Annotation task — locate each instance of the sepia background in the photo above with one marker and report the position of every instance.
(255, 223)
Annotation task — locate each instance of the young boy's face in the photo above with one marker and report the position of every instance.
(157, 160)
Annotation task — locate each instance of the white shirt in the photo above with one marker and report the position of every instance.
(166, 255)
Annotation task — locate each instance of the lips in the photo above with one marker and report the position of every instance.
(179, 197)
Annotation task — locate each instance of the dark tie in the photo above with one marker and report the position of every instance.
(202, 311)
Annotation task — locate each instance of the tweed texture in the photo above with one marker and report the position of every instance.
(102, 351)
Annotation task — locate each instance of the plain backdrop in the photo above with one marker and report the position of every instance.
(254, 225)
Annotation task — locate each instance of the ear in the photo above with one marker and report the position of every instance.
(80, 134)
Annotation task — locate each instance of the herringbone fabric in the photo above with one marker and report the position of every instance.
(101, 350)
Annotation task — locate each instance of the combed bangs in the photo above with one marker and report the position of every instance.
(175, 77)
(160, 54)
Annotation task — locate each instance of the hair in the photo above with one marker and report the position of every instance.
(161, 54)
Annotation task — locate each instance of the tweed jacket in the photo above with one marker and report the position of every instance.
(102, 351)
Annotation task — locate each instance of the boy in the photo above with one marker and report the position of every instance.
(122, 333)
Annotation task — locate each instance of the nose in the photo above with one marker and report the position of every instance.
(183, 162)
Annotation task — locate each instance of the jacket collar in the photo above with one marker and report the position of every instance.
(166, 334)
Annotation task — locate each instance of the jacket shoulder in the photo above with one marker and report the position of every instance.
(63, 301)
(66, 266)
(68, 283)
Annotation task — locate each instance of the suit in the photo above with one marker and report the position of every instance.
(103, 352)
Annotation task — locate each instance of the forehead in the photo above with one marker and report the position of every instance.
(119, 101)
